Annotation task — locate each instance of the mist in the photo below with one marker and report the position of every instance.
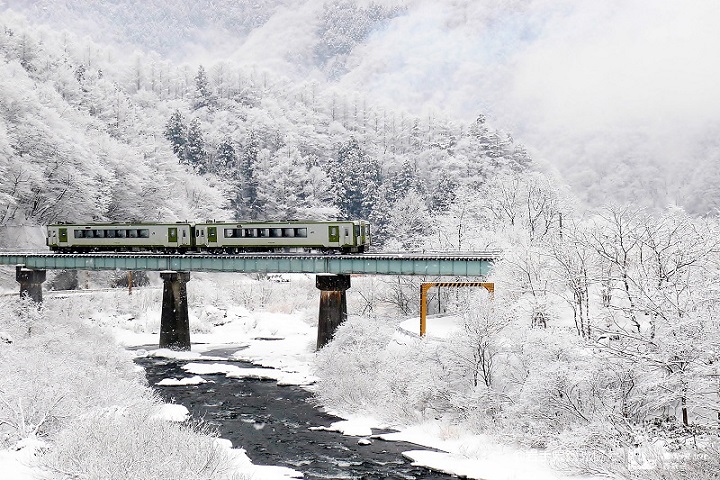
(618, 97)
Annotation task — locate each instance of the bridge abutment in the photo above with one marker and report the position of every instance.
(333, 305)
(30, 282)
(174, 320)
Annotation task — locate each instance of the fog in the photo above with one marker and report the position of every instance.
(619, 96)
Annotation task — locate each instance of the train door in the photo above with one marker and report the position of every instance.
(172, 236)
(333, 234)
(365, 233)
(212, 236)
(185, 237)
(347, 232)
(57, 237)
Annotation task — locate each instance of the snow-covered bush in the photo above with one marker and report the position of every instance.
(130, 443)
(350, 366)
(64, 381)
(701, 464)
(55, 369)
(369, 367)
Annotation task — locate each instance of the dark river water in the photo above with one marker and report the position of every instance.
(272, 423)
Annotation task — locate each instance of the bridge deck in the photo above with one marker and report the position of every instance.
(434, 264)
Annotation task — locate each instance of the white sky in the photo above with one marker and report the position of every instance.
(581, 83)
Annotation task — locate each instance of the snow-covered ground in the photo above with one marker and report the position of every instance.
(284, 344)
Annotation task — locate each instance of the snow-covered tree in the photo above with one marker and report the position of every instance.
(356, 177)
(195, 149)
(176, 133)
(409, 223)
(203, 96)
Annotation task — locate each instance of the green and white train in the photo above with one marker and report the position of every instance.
(351, 236)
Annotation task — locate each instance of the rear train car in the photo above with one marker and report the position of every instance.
(120, 237)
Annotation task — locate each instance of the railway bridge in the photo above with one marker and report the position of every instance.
(332, 276)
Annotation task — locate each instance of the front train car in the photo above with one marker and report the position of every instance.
(351, 236)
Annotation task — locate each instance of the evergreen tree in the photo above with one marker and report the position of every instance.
(176, 133)
(443, 194)
(380, 217)
(247, 203)
(356, 178)
(195, 150)
(403, 180)
(225, 158)
(203, 95)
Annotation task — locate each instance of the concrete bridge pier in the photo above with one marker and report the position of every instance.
(333, 305)
(174, 320)
(30, 282)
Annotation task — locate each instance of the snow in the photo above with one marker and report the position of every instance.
(472, 456)
(354, 428)
(259, 472)
(19, 464)
(175, 382)
(436, 327)
(175, 354)
(172, 413)
(283, 345)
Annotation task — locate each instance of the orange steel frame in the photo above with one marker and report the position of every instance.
(424, 287)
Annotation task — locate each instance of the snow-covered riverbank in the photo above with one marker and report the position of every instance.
(282, 339)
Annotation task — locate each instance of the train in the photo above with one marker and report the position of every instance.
(347, 236)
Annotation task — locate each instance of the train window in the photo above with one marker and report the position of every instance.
(228, 233)
(79, 234)
(357, 230)
(99, 233)
(144, 233)
(301, 232)
(347, 232)
(184, 233)
(276, 232)
(109, 233)
(263, 232)
(288, 232)
(121, 233)
(250, 232)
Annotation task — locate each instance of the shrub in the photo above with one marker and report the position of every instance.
(125, 443)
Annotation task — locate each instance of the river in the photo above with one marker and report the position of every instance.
(272, 423)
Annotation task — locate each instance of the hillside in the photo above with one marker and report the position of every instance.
(617, 98)
(91, 134)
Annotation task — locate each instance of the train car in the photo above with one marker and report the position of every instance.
(345, 236)
(119, 237)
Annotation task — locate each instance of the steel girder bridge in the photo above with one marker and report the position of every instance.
(332, 276)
